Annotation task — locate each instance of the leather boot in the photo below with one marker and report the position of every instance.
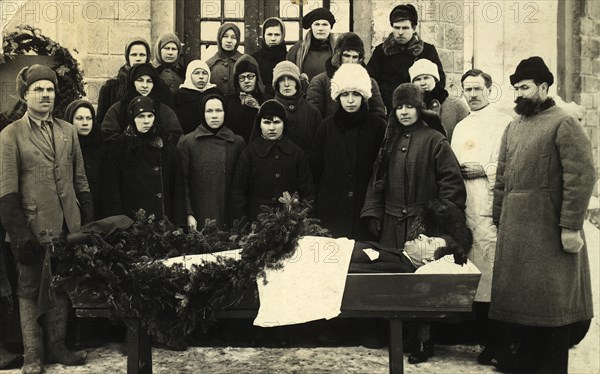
(56, 329)
(32, 337)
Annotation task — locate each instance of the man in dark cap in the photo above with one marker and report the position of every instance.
(311, 53)
(391, 59)
(43, 191)
(545, 177)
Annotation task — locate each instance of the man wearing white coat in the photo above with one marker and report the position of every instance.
(476, 143)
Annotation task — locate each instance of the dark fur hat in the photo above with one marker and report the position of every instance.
(444, 219)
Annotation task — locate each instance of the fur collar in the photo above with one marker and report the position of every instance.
(414, 47)
(263, 146)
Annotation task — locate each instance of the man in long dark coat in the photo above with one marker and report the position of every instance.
(545, 179)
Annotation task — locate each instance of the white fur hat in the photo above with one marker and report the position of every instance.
(351, 77)
(423, 66)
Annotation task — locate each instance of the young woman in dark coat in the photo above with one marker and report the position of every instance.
(272, 51)
(166, 60)
(207, 157)
(243, 105)
(342, 160)
(269, 166)
(142, 80)
(141, 168)
(187, 99)
(137, 51)
(82, 115)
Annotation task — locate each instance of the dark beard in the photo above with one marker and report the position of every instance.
(527, 107)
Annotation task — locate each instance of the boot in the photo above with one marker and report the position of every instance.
(56, 329)
(32, 337)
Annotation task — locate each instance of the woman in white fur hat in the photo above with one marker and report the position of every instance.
(346, 147)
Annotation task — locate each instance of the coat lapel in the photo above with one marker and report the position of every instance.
(60, 140)
(35, 139)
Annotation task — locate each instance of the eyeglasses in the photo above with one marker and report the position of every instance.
(248, 76)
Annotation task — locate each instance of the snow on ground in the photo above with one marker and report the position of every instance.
(584, 359)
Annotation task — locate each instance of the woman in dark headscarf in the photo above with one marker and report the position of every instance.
(207, 157)
(272, 51)
(142, 80)
(222, 63)
(243, 105)
(141, 169)
(137, 51)
(82, 115)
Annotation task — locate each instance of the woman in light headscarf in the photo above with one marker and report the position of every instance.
(222, 63)
(166, 60)
(187, 99)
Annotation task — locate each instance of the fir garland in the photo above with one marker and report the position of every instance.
(28, 40)
(171, 302)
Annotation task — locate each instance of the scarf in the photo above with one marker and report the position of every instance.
(193, 65)
(414, 47)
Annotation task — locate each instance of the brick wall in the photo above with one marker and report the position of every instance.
(586, 39)
(440, 24)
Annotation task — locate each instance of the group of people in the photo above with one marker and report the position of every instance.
(381, 149)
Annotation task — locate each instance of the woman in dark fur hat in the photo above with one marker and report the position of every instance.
(143, 80)
(141, 169)
(269, 166)
(82, 115)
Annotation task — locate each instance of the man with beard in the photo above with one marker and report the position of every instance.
(545, 177)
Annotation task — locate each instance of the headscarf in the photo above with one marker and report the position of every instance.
(163, 40)
(222, 30)
(95, 136)
(193, 65)
(247, 64)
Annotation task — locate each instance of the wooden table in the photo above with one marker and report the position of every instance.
(395, 297)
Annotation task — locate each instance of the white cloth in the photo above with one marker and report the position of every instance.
(446, 265)
(189, 260)
(477, 138)
(310, 286)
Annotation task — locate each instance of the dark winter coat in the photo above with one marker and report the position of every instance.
(222, 63)
(186, 104)
(342, 162)
(451, 110)
(266, 169)
(310, 58)
(208, 165)
(172, 75)
(422, 167)
(138, 174)
(115, 122)
(390, 62)
(303, 119)
(319, 94)
(545, 179)
(267, 58)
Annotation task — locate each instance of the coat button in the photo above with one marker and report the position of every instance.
(226, 64)
(291, 106)
(350, 194)
(159, 195)
(407, 136)
(276, 157)
(403, 149)
(156, 168)
(404, 211)
(277, 175)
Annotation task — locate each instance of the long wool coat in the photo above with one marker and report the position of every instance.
(138, 175)
(422, 167)
(342, 162)
(208, 164)
(265, 170)
(477, 139)
(544, 182)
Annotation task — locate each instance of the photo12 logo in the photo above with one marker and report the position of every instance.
(31, 12)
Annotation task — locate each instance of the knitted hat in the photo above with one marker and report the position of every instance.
(345, 42)
(532, 68)
(317, 14)
(163, 40)
(138, 70)
(351, 77)
(141, 104)
(31, 74)
(286, 69)
(404, 12)
(136, 41)
(408, 93)
(423, 66)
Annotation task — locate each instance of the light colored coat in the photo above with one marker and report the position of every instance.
(544, 182)
(477, 138)
(47, 180)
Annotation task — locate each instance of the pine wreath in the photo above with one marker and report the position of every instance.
(27, 40)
